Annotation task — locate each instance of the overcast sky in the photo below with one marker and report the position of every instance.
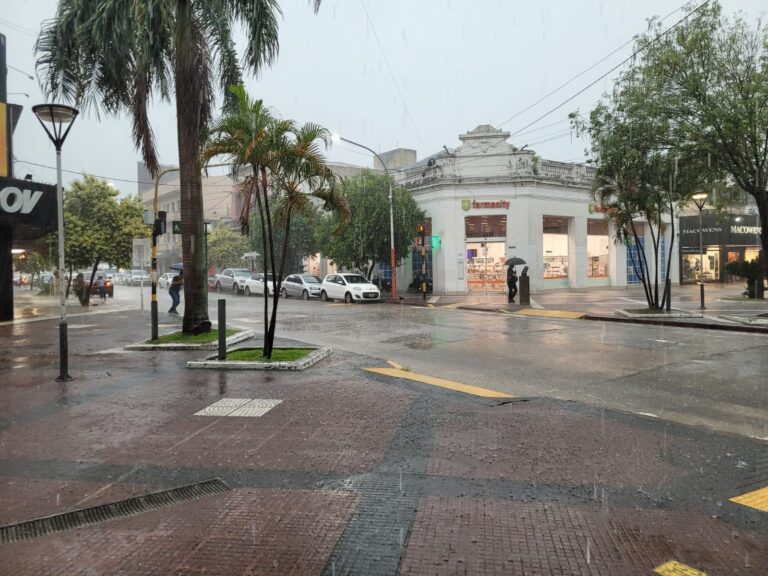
(388, 74)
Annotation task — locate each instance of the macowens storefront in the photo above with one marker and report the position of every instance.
(730, 238)
(487, 201)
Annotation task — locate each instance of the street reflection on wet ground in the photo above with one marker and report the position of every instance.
(359, 473)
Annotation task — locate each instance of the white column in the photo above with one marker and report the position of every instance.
(577, 252)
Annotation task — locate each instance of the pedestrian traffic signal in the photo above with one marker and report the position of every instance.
(435, 242)
(160, 223)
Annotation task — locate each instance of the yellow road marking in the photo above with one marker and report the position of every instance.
(430, 305)
(440, 382)
(551, 313)
(673, 568)
(344, 304)
(394, 364)
(757, 499)
(454, 305)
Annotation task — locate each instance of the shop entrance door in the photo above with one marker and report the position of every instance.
(485, 266)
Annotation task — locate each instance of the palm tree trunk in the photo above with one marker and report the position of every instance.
(189, 107)
(270, 340)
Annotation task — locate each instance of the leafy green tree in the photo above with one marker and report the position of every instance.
(712, 74)
(30, 263)
(120, 54)
(303, 243)
(99, 226)
(226, 247)
(286, 174)
(365, 242)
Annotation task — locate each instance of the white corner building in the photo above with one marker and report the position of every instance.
(488, 201)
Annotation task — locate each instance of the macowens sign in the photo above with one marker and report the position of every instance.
(27, 204)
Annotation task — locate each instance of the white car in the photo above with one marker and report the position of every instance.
(232, 279)
(255, 284)
(165, 280)
(350, 288)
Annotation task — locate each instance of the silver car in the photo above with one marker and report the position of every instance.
(303, 286)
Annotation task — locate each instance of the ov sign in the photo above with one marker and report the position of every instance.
(14, 200)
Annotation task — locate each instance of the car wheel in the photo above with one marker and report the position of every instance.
(235, 288)
(348, 298)
(283, 293)
(247, 291)
(305, 295)
(323, 296)
(218, 286)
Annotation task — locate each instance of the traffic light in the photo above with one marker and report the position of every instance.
(420, 237)
(435, 242)
(160, 223)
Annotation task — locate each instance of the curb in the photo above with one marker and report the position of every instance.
(660, 316)
(234, 339)
(745, 320)
(306, 362)
(680, 324)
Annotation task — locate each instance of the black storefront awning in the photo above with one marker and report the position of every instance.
(28, 207)
(731, 230)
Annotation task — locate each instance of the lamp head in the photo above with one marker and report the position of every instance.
(700, 198)
(335, 137)
(60, 117)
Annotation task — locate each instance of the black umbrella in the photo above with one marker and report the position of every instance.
(514, 261)
(179, 266)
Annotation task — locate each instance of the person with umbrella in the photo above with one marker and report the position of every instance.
(512, 283)
(512, 277)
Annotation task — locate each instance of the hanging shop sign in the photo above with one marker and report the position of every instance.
(29, 207)
(734, 230)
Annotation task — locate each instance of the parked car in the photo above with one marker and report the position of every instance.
(303, 286)
(255, 284)
(137, 277)
(92, 287)
(232, 279)
(165, 279)
(350, 288)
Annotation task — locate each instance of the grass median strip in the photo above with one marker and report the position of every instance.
(439, 382)
(278, 354)
(181, 338)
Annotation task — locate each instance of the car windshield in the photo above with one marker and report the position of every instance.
(311, 279)
(242, 272)
(356, 279)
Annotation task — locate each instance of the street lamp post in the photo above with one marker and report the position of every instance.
(60, 118)
(700, 199)
(337, 137)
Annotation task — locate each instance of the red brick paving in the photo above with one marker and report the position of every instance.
(567, 447)
(462, 536)
(241, 532)
(27, 498)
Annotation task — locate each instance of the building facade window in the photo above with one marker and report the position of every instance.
(555, 246)
(597, 248)
(633, 255)
(485, 252)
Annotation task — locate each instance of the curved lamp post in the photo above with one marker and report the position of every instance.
(60, 118)
(336, 138)
(700, 198)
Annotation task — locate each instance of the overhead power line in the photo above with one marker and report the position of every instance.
(619, 65)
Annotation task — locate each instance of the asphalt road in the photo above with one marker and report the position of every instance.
(691, 376)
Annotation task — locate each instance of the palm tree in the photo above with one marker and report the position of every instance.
(117, 55)
(283, 164)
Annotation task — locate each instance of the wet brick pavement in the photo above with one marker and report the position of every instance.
(352, 473)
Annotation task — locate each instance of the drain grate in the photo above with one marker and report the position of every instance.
(60, 522)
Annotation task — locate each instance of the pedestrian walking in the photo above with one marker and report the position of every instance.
(99, 282)
(175, 291)
(512, 283)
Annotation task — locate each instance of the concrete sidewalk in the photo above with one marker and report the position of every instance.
(340, 471)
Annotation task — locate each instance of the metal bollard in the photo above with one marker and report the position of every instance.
(669, 295)
(525, 290)
(222, 329)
